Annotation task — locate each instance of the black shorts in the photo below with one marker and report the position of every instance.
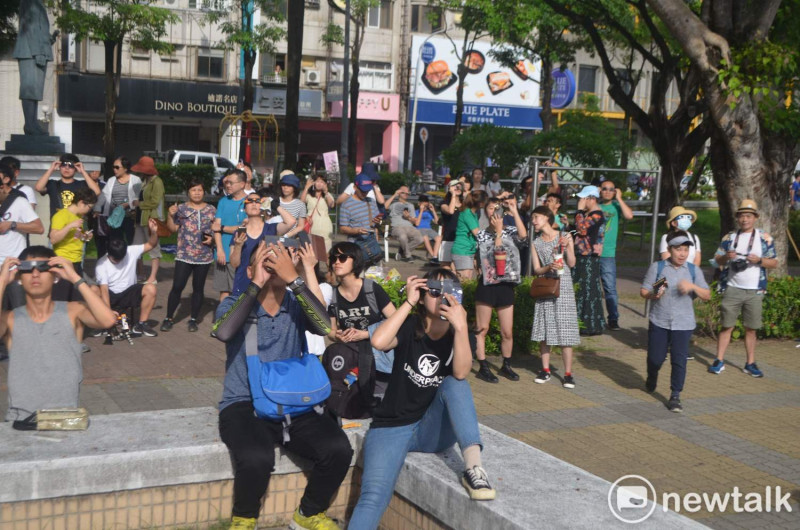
(130, 297)
(499, 295)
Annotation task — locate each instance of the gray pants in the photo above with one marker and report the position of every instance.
(408, 237)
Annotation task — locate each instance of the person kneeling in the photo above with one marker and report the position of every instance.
(428, 405)
(44, 369)
(672, 284)
(281, 317)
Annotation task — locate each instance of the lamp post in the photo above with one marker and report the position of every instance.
(344, 180)
(411, 138)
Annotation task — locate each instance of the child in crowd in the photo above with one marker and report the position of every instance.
(66, 228)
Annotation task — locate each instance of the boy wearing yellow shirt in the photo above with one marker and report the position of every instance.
(66, 228)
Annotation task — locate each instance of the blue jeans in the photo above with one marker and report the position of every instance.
(450, 418)
(677, 341)
(608, 275)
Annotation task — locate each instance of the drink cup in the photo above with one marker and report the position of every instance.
(500, 261)
(558, 261)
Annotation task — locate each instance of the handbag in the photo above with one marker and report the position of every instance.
(116, 217)
(545, 287)
(286, 388)
(162, 229)
(310, 218)
(55, 420)
(373, 253)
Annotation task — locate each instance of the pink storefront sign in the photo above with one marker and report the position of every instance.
(372, 106)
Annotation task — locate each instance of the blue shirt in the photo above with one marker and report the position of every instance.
(279, 337)
(240, 280)
(230, 213)
(673, 310)
(425, 222)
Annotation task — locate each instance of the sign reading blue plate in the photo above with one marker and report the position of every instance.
(563, 88)
(428, 53)
(444, 113)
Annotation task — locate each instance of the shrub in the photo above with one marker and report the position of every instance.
(390, 182)
(780, 313)
(177, 178)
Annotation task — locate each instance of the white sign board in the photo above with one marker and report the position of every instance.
(423, 135)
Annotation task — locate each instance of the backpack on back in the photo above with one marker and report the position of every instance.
(351, 369)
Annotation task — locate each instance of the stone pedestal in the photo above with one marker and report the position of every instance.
(34, 145)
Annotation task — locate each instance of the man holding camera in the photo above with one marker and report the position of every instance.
(744, 255)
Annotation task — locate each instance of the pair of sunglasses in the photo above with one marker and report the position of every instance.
(117, 167)
(68, 164)
(341, 258)
(28, 266)
(252, 201)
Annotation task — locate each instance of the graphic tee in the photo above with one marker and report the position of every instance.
(357, 314)
(62, 193)
(420, 366)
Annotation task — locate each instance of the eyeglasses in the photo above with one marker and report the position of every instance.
(604, 188)
(117, 167)
(435, 293)
(341, 258)
(27, 266)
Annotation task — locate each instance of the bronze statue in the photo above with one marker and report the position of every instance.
(33, 50)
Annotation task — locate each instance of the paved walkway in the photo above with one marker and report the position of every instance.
(736, 431)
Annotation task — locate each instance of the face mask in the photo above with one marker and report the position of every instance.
(684, 224)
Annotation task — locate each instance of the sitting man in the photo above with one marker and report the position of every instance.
(116, 276)
(281, 316)
(44, 368)
(402, 215)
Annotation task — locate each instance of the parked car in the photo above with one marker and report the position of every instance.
(220, 164)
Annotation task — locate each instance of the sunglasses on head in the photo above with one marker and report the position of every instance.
(28, 266)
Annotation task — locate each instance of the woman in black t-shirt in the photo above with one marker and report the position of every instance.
(428, 405)
(449, 222)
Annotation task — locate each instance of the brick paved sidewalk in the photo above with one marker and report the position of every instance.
(735, 431)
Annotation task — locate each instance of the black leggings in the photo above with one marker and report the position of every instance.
(182, 272)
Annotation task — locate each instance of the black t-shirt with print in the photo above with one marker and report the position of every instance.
(62, 193)
(357, 314)
(420, 366)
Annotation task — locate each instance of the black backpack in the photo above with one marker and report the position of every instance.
(351, 369)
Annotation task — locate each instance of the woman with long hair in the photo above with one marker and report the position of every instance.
(500, 271)
(466, 244)
(192, 221)
(589, 225)
(450, 208)
(555, 320)
(289, 191)
(318, 200)
(428, 405)
(121, 190)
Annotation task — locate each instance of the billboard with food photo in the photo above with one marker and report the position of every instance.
(493, 93)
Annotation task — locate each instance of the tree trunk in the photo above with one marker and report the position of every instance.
(352, 131)
(247, 101)
(294, 46)
(109, 139)
(546, 87)
(461, 70)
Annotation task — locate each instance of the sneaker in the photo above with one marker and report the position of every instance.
(717, 367)
(167, 324)
(242, 523)
(690, 357)
(98, 333)
(485, 373)
(143, 328)
(508, 372)
(569, 382)
(85, 348)
(753, 370)
(315, 522)
(476, 481)
(192, 325)
(650, 384)
(543, 377)
(613, 324)
(674, 404)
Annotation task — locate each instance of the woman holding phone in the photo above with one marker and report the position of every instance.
(430, 346)
(465, 245)
(318, 200)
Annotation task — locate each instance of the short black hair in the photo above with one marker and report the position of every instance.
(352, 250)
(123, 160)
(7, 171)
(69, 157)
(545, 211)
(241, 175)
(117, 249)
(196, 182)
(11, 161)
(423, 198)
(86, 195)
(555, 196)
(37, 251)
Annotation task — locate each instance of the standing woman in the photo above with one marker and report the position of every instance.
(450, 209)
(192, 220)
(589, 224)
(555, 320)
(501, 271)
(428, 405)
(466, 244)
(290, 189)
(318, 200)
(121, 190)
(151, 206)
(680, 218)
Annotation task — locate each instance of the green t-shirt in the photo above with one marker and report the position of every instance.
(612, 213)
(465, 243)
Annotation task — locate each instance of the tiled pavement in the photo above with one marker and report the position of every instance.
(735, 431)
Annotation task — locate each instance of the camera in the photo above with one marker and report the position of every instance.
(738, 265)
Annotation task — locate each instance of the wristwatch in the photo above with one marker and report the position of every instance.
(296, 284)
(14, 226)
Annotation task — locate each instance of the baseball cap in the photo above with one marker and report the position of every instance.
(589, 191)
(680, 240)
(364, 182)
(290, 179)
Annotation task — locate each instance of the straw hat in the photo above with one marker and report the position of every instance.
(145, 166)
(677, 211)
(748, 206)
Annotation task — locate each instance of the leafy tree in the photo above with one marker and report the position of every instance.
(8, 26)
(113, 23)
(236, 22)
(505, 146)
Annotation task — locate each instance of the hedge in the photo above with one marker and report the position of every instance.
(177, 178)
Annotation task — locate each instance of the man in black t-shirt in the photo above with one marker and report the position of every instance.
(62, 191)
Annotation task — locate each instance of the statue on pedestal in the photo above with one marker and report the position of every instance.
(33, 50)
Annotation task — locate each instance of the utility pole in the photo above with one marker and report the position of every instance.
(344, 179)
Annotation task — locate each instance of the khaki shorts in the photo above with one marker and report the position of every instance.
(141, 235)
(737, 301)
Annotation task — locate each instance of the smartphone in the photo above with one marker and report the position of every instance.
(451, 287)
(288, 242)
(241, 230)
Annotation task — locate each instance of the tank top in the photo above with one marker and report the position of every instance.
(44, 364)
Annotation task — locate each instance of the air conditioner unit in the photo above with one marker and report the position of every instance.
(312, 77)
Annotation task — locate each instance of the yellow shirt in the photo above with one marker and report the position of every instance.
(69, 247)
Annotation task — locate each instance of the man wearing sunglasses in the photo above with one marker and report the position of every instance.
(62, 190)
(613, 207)
(17, 218)
(44, 370)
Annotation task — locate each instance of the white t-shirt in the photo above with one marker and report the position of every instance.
(748, 278)
(316, 343)
(693, 250)
(12, 243)
(29, 193)
(494, 189)
(351, 189)
(119, 276)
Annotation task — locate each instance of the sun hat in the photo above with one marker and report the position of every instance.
(145, 166)
(677, 211)
(748, 206)
(290, 179)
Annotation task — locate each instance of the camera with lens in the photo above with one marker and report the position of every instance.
(738, 265)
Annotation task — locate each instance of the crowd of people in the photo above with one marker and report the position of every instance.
(280, 300)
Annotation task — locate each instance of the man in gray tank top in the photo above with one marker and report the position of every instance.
(44, 369)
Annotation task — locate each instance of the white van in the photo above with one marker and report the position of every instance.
(220, 164)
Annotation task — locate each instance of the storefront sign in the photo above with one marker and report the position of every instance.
(85, 94)
(563, 88)
(372, 106)
(493, 93)
(334, 92)
(273, 101)
(331, 160)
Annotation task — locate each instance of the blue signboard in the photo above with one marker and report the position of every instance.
(563, 88)
(444, 113)
(428, 53)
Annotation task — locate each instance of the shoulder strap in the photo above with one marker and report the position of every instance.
(369, 290)
(692, 270)
(14, 195)
(660, 268)
(251, 337)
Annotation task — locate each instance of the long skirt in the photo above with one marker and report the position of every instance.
(589, 296)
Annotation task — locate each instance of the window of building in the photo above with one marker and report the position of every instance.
(380, 16)
(372, 76)
(587, 79)
(210, 63)
(209, 5)
(420, 21)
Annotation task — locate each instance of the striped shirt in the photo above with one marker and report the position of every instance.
(296, 209)
(357, 214)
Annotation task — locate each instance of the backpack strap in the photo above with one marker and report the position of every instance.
(660, 268)
(663, 262)
(692, 270)
(14, 195)
(369, 290)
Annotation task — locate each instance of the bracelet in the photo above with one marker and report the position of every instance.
(77, 284)
(409, 303)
